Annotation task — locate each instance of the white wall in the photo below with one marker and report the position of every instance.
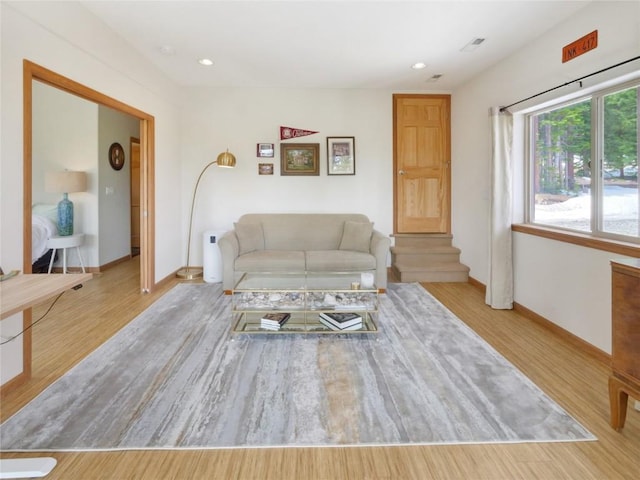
(66, 39)
(567, 284)
(238, 119)
(115, 206)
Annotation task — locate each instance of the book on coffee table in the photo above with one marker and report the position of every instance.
(331, 326)
(273, 321)
(341, 320)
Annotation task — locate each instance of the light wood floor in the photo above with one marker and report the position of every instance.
(84, 319)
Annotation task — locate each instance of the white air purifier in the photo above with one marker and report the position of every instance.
(211, 257)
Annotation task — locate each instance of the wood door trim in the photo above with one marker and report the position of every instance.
(32, 71)
(134, 141)
(395, 96)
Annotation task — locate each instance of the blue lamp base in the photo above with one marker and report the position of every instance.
(65, 216)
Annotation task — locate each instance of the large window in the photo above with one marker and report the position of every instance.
(584, 165)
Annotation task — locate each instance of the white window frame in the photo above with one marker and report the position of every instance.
(596, 97)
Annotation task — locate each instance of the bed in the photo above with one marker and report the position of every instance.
(43, 227)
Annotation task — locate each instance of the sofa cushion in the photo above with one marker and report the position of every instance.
(302, 231)
(250, 237)
(271, 261)
(339, 261)
(356, 236)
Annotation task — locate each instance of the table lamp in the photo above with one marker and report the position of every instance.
(225, 159)
(65, 182)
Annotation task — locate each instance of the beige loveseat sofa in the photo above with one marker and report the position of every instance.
(299, 242)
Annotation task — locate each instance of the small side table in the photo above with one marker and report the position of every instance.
(68, 241)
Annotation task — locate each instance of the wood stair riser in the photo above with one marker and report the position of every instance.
(430, 276)
(424, 242)
(424, 259)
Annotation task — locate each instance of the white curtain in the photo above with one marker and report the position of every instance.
(500, 279)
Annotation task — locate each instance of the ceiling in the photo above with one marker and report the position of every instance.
(329, 44)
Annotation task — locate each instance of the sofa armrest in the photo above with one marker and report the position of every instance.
(229, 250)
(379, 248)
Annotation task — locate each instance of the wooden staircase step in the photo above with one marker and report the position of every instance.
(427, 257)
(438, 249)
(435, 272)
(422, 240)
(424, 257)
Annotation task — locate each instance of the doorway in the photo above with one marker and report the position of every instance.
(33, 72)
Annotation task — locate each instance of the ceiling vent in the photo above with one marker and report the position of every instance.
(472, 45)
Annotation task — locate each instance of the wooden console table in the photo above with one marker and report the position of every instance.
(625, 353)
(17, 294)
(25, 291)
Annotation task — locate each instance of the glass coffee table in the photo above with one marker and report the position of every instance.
(324, 303)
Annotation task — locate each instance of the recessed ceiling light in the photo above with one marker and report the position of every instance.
(418, 66)
(206, 62)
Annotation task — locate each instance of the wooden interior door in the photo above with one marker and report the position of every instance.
(422, 155)
(135, 196)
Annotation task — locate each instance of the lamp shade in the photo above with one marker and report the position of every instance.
(65, 182)
(226, 159)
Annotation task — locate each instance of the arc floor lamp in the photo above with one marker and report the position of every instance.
(227, 160)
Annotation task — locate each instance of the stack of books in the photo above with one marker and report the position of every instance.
(273, 321)
(341, 320)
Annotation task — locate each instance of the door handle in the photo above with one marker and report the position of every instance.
(400, 172)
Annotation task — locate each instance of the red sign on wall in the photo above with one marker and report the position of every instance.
(580, 46)
(287, 133)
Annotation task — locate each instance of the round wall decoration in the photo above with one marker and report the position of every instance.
(116, 156)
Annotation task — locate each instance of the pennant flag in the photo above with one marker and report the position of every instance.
(287, 133)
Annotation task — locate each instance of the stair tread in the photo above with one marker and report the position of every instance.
(425, 250)
(421, 235)
(433, 267)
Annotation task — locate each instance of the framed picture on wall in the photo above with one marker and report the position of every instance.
(116, 156)
(341, 156)
(265, 169)
(265, 150)
(299, 159)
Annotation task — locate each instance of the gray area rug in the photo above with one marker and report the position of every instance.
(175, 377)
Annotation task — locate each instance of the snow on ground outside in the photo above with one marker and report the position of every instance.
(621, 207)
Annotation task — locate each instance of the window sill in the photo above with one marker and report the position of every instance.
(582, 239)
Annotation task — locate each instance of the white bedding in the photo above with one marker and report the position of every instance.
(42, 228)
